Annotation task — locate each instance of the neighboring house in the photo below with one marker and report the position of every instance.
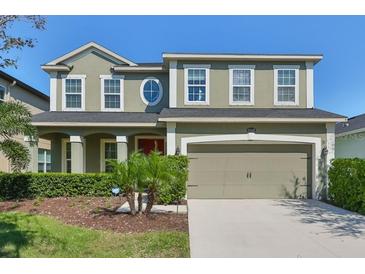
(37, 102)
(350, 138)
(246, 121)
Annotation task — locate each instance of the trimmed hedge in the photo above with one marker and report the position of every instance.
(34, 185)
(347, 184)
(171, 192)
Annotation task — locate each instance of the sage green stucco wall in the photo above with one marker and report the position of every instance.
(201, 129)
(93, 66)
(219, 84)
(350, 146)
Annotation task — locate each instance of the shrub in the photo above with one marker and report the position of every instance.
(347, 184)
(34, 185)
(174, 189)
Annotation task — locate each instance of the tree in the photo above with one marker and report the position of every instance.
(9, 42)
(138, 163)
(123, 174)
(15, 119)
(158, 171)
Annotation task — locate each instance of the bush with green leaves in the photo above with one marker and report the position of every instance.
(347, 184)
(34, 185)
(174, 190)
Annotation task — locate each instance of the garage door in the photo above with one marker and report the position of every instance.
(263, 171)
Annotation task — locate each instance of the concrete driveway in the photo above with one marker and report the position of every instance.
(274, 228)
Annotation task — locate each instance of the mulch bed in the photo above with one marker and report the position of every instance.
(98, 213)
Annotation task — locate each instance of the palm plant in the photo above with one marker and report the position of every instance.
(138, 164)
(123, 174)
(15, 119)
(158, 171)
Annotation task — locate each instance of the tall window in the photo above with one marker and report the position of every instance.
(242, 85)
(68, 157)
(2, 94)
(44, 160)
(151, 91)
(112, 94)
(196, 85)
(109, 152)
(73, 94)
(287, 86)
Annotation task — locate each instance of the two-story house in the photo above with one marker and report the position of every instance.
(246, 121)
(13, 89)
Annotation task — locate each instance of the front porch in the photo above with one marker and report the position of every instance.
(86, 149)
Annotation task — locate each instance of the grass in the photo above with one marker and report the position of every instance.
(26, 236)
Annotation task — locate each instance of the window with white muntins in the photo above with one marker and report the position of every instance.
(196, 84)
(74, 92)
(286, 85)
(241, 85)
(44, 160)
(108, 152)
(112, 93)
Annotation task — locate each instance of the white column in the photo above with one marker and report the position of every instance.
(53, 91)
(331, 139)
(122, 148)
(171, 138)
(173, 84)
(77, 154)
(310, 84)
(33, 153)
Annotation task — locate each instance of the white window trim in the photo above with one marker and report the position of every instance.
(63, 154)
(102, 152)
(251, 68)
(276, 93)
(110, 77)
(137, 137)
(73, 76)
(44, 159)
(160, 95)
(3, 100)
(205, 67)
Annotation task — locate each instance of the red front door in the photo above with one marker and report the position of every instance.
(147, 145)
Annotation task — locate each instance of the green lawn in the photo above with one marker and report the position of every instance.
(25, 235)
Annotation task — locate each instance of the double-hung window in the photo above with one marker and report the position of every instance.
(111, 92)
(2, 94)
(44, 160)
(241, 89)
(196, 84)
(286, 85)
(108, 152)
(74, 92)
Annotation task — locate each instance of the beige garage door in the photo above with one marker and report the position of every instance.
(265, 172)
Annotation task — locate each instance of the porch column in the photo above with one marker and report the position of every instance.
(33, 153)
(77, 154)
(171, 138)
(122, 148)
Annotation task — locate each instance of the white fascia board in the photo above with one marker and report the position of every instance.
(258, 57)
(252, 120)
(80, 124)
(87, 46)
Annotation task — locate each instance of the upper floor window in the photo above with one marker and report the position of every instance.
(74, 92)
(2, 94)
(196, 84)
(286, 85)
(112, 97)
(241, 90)
(151, 91)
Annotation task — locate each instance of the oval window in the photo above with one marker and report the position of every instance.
(151, 91)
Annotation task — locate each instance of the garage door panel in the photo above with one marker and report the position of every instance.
(249, 175)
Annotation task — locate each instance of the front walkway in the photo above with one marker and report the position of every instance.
(274, 228)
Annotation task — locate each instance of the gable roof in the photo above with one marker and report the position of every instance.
(90, 45)
(354, 124)
(23, 85)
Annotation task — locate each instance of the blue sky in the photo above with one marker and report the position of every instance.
(339, 77)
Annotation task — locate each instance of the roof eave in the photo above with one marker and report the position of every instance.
(250, 120)
(56, 68)
(242, 57)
